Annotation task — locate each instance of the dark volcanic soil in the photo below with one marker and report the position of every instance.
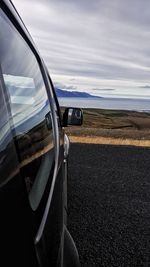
(109, 204)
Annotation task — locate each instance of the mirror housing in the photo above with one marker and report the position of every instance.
(72, 116)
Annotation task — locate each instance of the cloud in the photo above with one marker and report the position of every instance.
(145, 87)
(63, 86)
(98, 40)
(103, 89)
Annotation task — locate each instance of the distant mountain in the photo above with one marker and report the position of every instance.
(65, 93)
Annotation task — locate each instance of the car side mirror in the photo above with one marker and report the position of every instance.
(72, 116)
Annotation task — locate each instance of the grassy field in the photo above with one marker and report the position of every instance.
(112, 127)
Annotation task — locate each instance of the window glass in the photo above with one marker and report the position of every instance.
(32, 123)
(8, 160)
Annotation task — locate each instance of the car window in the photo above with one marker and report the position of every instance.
(27, 100)
(7, 151)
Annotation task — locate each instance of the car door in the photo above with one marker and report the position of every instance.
(34, 131)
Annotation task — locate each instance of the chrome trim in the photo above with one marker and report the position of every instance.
(55, 123)
(66, 146)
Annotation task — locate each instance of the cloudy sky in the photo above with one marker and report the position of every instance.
(100, 46)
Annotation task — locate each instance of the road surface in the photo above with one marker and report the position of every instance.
(109, 204)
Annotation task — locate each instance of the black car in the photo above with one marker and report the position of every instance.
(33, 154)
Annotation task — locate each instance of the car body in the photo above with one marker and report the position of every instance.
(33, 154)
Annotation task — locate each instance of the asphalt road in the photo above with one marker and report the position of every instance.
(109, 204)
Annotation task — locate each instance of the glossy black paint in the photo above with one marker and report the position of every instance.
(32, 168)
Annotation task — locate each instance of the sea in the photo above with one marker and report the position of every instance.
(107, 103)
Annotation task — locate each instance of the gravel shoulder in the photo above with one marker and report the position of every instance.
(109, 204)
